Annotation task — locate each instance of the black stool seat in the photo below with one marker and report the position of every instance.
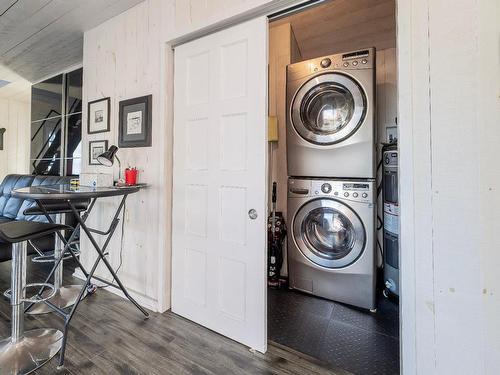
(19, 231)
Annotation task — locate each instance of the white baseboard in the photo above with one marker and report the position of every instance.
(144, 301)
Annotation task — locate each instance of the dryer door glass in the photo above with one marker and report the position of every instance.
(329, 233)
(328, 108)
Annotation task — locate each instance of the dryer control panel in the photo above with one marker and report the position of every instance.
(352, 190)
(362, 59)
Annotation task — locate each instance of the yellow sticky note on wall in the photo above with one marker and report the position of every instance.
(272, 135)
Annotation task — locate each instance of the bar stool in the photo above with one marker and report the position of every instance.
(25, 351)
(64, 296)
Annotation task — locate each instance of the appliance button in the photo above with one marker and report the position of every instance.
(326, 188)
(364, 61)
(336, 193)
(354, 63)
(316, 192)
(364, 195)
(325, 63)
(346, 194)
(346, 64)
(355, 195)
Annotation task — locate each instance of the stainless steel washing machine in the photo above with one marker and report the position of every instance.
(331, 116)
(331, 239)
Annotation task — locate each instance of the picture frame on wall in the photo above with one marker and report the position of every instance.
(96, 148)
(134, 126)
(98, 119)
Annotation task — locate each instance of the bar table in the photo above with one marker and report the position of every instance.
(43, 196)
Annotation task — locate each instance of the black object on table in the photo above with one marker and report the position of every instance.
(44, 195)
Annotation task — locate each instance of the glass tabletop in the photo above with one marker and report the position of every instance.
(68, 192)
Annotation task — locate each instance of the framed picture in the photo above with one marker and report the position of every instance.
(98, 116)
(135, 122)
(96, 148)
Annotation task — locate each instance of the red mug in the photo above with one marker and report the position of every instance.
(131, 176)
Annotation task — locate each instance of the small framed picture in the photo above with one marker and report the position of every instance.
(96, 148)
(135, 122)
(98, 116)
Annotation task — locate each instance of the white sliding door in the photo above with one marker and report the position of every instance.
(219, 194)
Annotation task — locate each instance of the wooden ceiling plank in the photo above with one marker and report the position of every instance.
(59, 39)
(6, 5)
(25, 20)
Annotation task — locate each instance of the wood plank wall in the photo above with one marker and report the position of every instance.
(122, 60)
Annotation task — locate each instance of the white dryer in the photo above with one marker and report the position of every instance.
(331, 239)
(331, 116)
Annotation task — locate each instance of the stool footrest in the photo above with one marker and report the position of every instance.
(50, 258)
(36, 298)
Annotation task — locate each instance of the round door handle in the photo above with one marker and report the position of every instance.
(252, 214)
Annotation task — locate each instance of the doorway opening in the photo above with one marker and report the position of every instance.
(333, 279)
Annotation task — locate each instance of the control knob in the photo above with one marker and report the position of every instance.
(355, 195)
(346, 194)
(364, 195)
(326, 188)
(325, 63)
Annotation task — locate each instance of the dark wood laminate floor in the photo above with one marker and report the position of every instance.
(109, 336)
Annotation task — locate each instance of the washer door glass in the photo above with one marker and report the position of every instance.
(329, 233)
(328, 109)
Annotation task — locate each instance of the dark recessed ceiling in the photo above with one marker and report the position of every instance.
(343, 25)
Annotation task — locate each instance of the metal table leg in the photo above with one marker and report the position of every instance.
(65, 296)
(24, 352)
(101, 257)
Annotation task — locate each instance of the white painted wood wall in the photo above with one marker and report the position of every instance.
(15, 118)
(449, 115)
(449, 93)
(122, 60)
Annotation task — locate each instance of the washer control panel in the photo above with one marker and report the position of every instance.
(359, 191)
(352, 190)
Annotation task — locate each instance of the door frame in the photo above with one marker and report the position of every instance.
(410, 20)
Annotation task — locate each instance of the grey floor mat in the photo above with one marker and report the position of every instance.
(358, 341)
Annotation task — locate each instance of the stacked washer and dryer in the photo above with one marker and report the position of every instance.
(331, 168)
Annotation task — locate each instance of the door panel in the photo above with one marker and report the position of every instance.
(219, 253)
